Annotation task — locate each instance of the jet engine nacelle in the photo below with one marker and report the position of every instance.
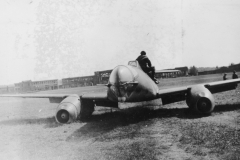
(200, 99)
(68, 110)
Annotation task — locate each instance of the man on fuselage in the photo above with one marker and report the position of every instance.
(146, 66)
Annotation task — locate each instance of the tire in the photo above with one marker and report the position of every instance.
(87, 108)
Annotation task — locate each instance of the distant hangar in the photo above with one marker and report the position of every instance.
(99, 77)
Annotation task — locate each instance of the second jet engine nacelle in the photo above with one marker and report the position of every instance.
(200, 99)
(68, 110)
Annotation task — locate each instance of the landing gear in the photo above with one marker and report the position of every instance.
(87, 108)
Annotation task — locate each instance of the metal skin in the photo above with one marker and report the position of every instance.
(130, 84)
(68, 110)
(200, 99)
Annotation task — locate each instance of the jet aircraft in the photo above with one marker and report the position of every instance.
(128, 83)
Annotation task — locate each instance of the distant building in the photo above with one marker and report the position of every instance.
(223, 69)
(24, 86)
(11, 88)
(27, 85)
(207, 72)
(60, 84)
(102, 77)
(172, 73)
(3, 89)
(77, 81)
(6, 89)
(99, 77)
(45, 85)
(167, 73)
(18, 87)
(184, 70)
(235, 67)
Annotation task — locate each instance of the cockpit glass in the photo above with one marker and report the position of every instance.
(133, 63)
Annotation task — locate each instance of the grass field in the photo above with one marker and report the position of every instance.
(29, 130)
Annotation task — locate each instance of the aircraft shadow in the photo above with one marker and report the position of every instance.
(98, 125)
(135, 115)
(226, 107)
(49, 122)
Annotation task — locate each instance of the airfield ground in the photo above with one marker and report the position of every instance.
(29, 130)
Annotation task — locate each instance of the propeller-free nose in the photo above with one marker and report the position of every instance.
(118, 83)
(120, 74)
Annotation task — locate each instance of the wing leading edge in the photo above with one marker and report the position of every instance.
(99, 98)
(57, 98)
(36, 95)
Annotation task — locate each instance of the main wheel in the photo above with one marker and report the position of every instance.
(87, 108)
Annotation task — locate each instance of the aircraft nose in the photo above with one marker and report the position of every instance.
(120, 74)
(118, 83)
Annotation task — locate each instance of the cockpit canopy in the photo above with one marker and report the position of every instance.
(134, 64)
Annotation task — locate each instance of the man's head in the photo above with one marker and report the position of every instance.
(234, 72)
(143, 53)
(225, 74)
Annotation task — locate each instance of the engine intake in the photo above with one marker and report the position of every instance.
(68, 110)
(200, 99)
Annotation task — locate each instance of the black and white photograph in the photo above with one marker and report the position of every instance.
(120, 79)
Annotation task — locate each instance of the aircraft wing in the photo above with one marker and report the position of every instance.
(36, 95)
(179, 93)
(78, 103)
(57, 98)
(221, 86)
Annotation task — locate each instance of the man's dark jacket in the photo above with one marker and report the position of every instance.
(143, 61)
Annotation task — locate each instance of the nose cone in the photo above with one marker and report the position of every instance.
(118, 79)
(120, 74)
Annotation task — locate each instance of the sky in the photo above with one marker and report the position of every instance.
(55, 39)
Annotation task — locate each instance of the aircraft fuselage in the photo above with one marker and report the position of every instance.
(129, 83)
